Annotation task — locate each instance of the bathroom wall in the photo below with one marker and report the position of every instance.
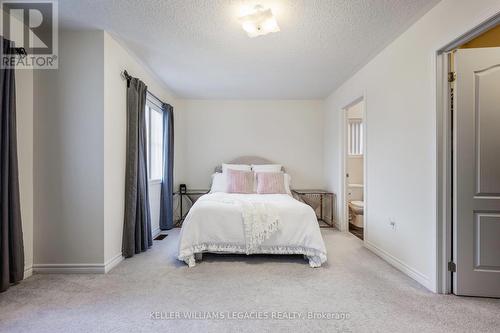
(356, 111)
(355, 169)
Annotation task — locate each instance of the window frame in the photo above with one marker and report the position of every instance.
(152, 106)
(359, 140)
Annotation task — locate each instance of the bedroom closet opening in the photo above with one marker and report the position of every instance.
(354, 166)
(471, 118)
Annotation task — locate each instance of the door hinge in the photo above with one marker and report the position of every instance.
(452, 267)
(452, 76)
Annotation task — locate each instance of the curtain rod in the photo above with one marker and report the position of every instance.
(12, 49)
(129, 77)
(21, 51)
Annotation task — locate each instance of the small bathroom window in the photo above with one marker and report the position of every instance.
(355, 137)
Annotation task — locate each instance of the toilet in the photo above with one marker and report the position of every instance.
(357, 208)
(356, 205)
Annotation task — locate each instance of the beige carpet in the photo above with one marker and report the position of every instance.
(377, 297)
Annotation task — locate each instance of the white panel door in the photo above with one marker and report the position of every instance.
(476, 200)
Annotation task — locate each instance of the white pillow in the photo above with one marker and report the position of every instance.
(240, 167)
(219, 183)
(266, 168)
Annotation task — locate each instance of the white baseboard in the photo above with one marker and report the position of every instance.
(28, 271)
(403, 267)
(78, 268)
(156, 232)
(336, 225)
(113, 262)
(69, 268)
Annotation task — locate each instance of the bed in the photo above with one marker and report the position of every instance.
(250, 223)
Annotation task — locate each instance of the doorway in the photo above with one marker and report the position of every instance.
(354, 157)
(470, 76)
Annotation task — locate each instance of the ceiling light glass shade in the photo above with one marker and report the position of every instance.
(259, 22)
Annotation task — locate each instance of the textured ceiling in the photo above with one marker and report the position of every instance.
(199, 50)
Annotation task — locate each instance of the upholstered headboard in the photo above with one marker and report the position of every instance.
(248, 160)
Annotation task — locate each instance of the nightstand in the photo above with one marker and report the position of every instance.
(193, 195)
(322, 202)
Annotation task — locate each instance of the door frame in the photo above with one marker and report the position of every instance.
(344, 221)
(444, 160)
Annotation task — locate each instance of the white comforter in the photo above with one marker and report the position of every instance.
(215, 224)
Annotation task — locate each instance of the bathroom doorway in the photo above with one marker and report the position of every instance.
(354, 158)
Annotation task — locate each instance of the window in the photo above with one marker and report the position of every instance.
(154, 127)
(355, 136)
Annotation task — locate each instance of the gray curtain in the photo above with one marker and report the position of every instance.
(137, 235)
(167, 186)
(11, 234)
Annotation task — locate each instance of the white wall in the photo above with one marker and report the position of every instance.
(24, 118)
(117, 59)
(288, 132)
(80, 138)
(24, 109)
(400, 88)
(80, 147)
(69, 154)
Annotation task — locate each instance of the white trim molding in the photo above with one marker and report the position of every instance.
(28, 271)
(113, 262)
(400, 265)
(68, 268)
(156, 232)
(78, 268)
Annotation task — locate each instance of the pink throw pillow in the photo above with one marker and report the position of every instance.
(270, 183)
(239, 181)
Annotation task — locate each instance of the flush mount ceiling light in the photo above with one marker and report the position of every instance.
(259, 21)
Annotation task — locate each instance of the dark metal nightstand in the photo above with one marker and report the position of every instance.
(322, 202)
(193, 195)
